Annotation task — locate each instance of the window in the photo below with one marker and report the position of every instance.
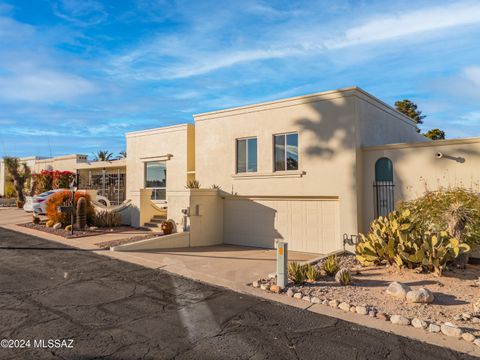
(246, 155)
(384, 170)
(286, 152)
(156, 179)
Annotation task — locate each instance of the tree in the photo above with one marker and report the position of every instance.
(410, 109)
(102, 155)
(122, 155)
(19, 174)
(435, 134)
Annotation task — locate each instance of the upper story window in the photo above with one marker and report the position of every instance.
(286, 152)
(156, 179)
(247, 155)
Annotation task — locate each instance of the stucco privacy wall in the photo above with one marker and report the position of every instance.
(329, 148)
(417, 167)
(169, 143)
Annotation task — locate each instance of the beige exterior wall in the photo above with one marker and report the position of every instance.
(416, 166)
(172, 144)
(332, 127)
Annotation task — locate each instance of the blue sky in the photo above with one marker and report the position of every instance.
(76, 75)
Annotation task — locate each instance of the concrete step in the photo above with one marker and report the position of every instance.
(157, 220)
(151, 224)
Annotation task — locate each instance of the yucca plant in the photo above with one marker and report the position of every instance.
(311, 273)
(330, 265)
(296, 272)
(343, 277)
(193, 184)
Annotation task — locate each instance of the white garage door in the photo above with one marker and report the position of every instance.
(308, 224)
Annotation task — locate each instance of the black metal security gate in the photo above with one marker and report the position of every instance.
(384, 197)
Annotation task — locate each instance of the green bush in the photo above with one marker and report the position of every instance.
(455, 210)
(311, 273)
(297, 272)
(425, 233)
(330, 265)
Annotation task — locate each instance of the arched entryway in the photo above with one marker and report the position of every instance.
(383, 187)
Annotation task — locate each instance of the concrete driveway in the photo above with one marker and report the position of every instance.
(226, 265)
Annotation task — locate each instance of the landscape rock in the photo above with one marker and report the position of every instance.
(452, 331)
(475, 320)
(477, 342)
(419, 323)
(362, 310)
(434, 328)
(353, 309)
(466, 316)
(421, 295)
(93, 228)
(372, 313)
(275, 288)
(256, 284)
(399, 320)
(398, 290)
(298, 295)
(315, 300)
(306, 298)
(344, 306)
(468, 337)
(265, 287)
(382, 316)
(272, 275)
(458, 317)
(290, 292)
(333, 303)
(476, 308)
(339, 274)
(57, 226)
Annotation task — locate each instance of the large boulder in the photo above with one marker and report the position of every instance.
(421, 295)
(398, 290)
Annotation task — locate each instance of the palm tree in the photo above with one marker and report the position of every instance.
(122, 155)
(102, 155)
(19, 174)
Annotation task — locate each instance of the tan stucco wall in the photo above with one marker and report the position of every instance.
(327, 154)
(169, 143)
(415, 167)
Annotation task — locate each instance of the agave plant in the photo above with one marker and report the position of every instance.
(330, 265)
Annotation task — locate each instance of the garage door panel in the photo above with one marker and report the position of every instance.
(310, 225)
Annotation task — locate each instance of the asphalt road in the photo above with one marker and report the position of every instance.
(117, 310)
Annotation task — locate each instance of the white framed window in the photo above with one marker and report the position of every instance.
(246, 157)
(156, 179)
(285, 151)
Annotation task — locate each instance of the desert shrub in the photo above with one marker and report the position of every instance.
(49, 223)
(397, 239)
(107, 219)
(68, 228)
(47, 180)
(311, 273)
(9, 189)
(343, 277)
(330, 265)
(297, 272)
(455, 210)
(64, 197)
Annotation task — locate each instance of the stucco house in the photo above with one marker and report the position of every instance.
(290, 169)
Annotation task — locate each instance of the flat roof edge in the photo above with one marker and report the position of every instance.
(472, 140)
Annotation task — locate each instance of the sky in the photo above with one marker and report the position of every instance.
(75, 76)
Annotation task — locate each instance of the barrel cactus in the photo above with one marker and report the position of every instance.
(81, 213)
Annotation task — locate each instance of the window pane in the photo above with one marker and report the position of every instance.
(155, 174)
(279, 152)
(292, 152)
(241, 156)
(252, 155)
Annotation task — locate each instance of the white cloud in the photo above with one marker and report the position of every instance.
(200, 52)
(408, 23)
(43, 86)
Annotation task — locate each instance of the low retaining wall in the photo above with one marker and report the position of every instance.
(177, 240)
